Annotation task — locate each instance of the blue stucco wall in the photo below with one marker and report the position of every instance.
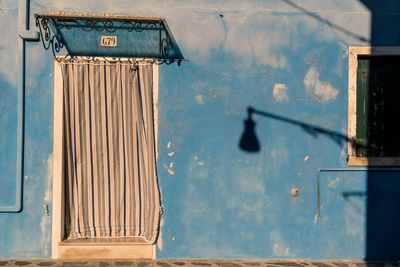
(220, 201)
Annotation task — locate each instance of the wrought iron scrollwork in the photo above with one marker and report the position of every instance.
(49, 27)
(133, 61)
(106, 25)
(49, 39)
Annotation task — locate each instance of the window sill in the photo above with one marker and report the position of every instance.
(374, 161)
(106, 248)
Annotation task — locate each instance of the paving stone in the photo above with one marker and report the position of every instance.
(228, 264)
(104, 264)
(321, 264)
(197, 263)
(340, 264)
(180, 263)
(288, 263)
(46, 263)
(22, 263)
(252, 263)
(304, 263)
(163, 264)
(73, 263)
(143, 264)
(123, 263)
(3, 263)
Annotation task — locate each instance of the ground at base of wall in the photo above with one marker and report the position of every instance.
(199, 263)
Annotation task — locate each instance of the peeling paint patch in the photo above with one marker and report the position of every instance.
(199, 99)
(280, 93)
(333, 183)
(320, 91)
(171, 164)
(196, 159)
(279, 247)
(221, 92)
(316, 218)
(197, 169)
(279, 154)
(247, 235)
(306, 158)
(169, 169)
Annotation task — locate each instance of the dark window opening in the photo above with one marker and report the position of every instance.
(378, 106)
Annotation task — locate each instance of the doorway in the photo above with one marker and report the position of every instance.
(105, 156)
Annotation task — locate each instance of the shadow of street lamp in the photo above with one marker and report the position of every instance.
(249, 141)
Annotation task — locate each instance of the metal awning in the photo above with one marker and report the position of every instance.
(108, 35)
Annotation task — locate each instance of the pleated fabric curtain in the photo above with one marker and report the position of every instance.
(111, 187)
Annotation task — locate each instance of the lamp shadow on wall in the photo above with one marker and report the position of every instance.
(249, 140)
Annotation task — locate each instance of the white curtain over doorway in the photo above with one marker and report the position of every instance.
(111, 187)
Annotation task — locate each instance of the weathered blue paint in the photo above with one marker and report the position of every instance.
(219, 201)
(25, 35)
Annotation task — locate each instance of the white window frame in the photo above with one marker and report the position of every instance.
(354, 52)
(116, 248)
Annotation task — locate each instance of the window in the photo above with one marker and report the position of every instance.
(374, 109)
(106, 200)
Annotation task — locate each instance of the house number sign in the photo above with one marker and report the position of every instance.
(109, 41)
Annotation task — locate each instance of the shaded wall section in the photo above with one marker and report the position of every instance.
(383, 213)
